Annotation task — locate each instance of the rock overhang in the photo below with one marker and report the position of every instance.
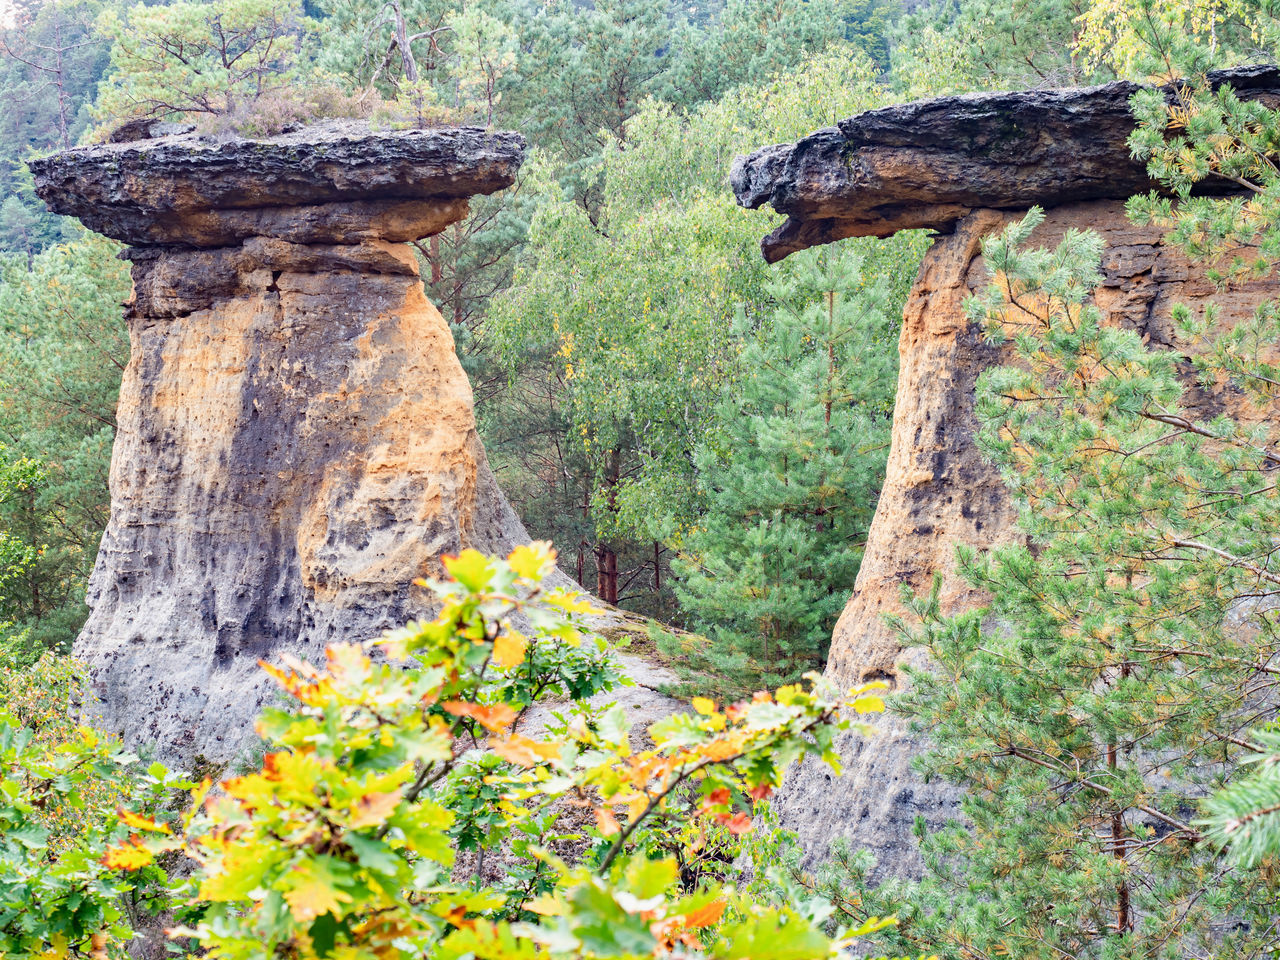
(928, 164)
(333, 182)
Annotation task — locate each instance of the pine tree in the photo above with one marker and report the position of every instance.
(50, 61)
(789, 481)
(63, 346)
(1110, 685)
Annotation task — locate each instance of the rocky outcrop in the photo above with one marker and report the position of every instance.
(296, 441)
(929, 163)
(938, 490)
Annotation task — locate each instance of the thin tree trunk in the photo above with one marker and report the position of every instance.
(606, 557)
(831, 353)
(407, 62)
(433, 255)
(1124, 913)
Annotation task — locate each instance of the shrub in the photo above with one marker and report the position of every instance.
(396, 753)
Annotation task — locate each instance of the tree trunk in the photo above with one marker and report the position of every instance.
(407, 63)
(606, 573)
(433, 256)
(606, 557)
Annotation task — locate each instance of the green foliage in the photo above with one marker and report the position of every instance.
(392, 758)
(195, 57)
(1206, 135)
(1244, 816)
(747, 44)
(50, 61)
(63, 347)
(634, 306)
(788, 483)
(585, 70)
(948, 47)
(1118, 685)
(1158, 39)
(67, 797)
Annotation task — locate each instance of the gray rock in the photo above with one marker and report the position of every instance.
(929, 163)
(319, 184)
(296, 442)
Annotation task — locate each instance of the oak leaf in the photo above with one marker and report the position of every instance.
(493, 717)
(139, 822)
(509, 648)
(373, 809)
(130, 855)
(314, 892)
(705, 915)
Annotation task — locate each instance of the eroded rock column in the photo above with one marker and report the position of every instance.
(964, 167)
(296, 441)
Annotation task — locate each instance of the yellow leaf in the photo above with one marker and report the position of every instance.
(471, 568)
(569, 602)
(348, 663)
(509, 648)
(704, 706)
(313, 893)
(139, 822)
(545, 906)
(534, 561)
(254, 790)
(869, 704)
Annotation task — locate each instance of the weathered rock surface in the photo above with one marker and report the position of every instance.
(296, 437)
(927, 164)
(337, 182)
(938, 490)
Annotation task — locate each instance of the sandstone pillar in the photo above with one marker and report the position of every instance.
(964, 167)
(296, 437)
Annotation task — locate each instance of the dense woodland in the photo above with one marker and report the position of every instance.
(703, 438)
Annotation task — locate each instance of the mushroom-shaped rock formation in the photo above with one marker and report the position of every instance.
(929, 163)
(965, 167)
(296, 441)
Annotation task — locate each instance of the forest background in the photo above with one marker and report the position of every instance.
(662, 434)
(704, 437)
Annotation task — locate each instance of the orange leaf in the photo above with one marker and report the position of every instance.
(130, 855)
(637, 807)
(297, 680)
(520, 749)
(607, 822)
(761, 791)
(722, 748)
(517, 749)
(706, 915)
(374, 808)
(495, 717)
(716, 798)
(739, 824)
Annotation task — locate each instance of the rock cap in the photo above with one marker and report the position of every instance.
(332, 182)
(929, 163)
